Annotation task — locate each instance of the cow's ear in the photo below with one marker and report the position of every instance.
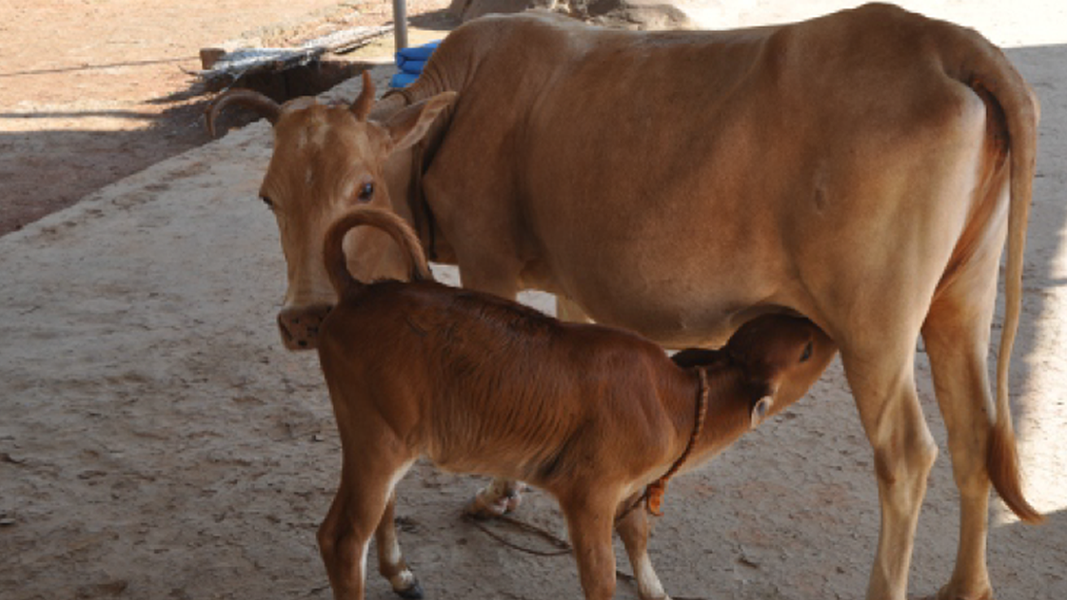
(407, 126)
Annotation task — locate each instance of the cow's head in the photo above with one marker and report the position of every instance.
(326, 159)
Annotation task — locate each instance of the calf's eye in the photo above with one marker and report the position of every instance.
(366, 192)
(267, 201)
(807, 353)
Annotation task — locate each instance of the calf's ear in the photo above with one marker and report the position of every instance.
(760, 409)
(407, 126)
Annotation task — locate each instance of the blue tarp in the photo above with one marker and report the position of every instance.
(402, 80)
(410, 61)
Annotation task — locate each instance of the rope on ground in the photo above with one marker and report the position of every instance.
(563, 546)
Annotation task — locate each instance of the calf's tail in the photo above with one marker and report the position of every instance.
(974, 61)
(387, 221)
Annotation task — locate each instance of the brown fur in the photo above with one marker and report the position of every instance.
(483, 385)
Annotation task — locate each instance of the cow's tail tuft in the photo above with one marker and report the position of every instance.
(977, 63)
(333, 251)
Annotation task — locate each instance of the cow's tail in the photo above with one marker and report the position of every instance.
(982, 66)
(387, 221)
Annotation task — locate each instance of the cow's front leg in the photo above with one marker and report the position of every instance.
(567, 310)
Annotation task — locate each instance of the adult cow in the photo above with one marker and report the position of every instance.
(862, 169)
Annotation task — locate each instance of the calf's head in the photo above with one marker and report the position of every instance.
(781, 357)
(328, 158)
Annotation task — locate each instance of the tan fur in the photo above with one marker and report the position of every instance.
(862, 169)
(484, 385)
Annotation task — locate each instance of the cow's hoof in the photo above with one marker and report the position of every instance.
(949, 592)
(496, 499)
(413, 592)
(513, 501)
(482, 508)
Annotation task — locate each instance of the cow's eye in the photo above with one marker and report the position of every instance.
(807, 353)
(366, 192)
(267, 201)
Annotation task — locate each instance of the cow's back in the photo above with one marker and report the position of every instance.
(678, 182)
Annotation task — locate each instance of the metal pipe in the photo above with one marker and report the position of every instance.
(400, 24)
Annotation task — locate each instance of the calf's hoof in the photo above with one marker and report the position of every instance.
(413, 592)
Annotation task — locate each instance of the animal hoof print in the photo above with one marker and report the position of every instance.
(412, 593)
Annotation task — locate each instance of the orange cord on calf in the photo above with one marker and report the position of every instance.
(654, 497)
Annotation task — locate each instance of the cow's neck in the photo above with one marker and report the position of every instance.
(407, 168)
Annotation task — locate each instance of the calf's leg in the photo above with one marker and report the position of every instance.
(590, 515)
(634, 529)
(365, 492)
(391, 562)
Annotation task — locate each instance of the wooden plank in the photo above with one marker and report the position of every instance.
(347, 40)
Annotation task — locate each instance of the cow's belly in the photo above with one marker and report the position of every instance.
(676, 300)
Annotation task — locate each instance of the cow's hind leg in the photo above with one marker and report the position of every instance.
(881, 375)
(957, 332)
(391, 562)
(365, 492)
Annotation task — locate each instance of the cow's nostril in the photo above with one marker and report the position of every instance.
(300, 325)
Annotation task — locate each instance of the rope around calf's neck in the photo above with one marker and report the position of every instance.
(654, 492)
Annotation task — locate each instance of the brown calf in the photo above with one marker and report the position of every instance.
(483, 385)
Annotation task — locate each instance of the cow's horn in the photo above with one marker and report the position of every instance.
(263, 105)
(362, 105)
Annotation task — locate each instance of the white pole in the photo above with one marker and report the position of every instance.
(400, 24)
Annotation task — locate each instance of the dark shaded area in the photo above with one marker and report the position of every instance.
(73, 162)
(438, 20)
(280, 86)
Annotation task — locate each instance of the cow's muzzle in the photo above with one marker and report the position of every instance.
(299, 325)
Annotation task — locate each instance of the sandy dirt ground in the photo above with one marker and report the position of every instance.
(157, 443)
(92, 91)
